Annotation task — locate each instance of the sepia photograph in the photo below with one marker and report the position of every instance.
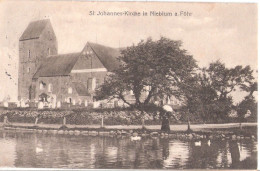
(128, 85)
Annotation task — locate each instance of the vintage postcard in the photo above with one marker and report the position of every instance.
(128, 85)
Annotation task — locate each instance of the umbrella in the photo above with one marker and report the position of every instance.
(167, 108)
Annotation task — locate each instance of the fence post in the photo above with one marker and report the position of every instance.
(189, 125)
(143, 123)
(64, 120)
(102, 121)
(36, 121)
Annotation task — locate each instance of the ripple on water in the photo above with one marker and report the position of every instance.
(28, 149)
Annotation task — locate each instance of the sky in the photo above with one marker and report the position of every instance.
(214, 31)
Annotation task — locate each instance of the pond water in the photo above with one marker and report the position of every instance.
(25, 149)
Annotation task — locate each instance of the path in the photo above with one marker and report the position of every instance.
(195, 127)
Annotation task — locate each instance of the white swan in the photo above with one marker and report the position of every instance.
(198, 143)
(38, 150)
(209, 142)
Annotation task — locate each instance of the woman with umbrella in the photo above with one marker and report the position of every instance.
(165, 115)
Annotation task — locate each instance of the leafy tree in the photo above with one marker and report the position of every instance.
(211, 97)
(225, 80)
(248, 104)
(159, 69)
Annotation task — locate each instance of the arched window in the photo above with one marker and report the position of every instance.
(41, 85)
(49, 51)
(91, 84)
(28, 70)
(94, 83)
(69, 100)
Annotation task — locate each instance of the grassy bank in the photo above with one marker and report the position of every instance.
(88, 116)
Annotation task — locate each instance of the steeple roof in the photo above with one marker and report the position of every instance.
(34, 29)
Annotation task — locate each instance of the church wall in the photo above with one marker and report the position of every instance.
(31, 54)
(85, 69)
(60, 86)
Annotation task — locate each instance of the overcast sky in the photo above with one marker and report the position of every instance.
(224, 31)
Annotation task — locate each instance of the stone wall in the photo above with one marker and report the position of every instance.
(31, 54)
(60, 90)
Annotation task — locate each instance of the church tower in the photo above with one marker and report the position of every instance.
(37, 42)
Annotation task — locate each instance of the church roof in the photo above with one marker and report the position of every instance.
(107, 55)
(34, 29)
(61, 65)
(81, 89)
(57, 65)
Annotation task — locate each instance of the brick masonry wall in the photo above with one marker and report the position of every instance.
(39, 49)
(60, 85)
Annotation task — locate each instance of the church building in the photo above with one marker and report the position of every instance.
(45, 75)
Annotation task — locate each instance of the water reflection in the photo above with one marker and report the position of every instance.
(7, 151)
(177, 154)
(23, 149)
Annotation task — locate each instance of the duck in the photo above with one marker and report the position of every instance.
(197, 143)
(135, 138)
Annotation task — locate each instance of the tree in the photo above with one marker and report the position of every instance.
(248, 104)
(225, 80)
(159, 69)
(212, 95)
